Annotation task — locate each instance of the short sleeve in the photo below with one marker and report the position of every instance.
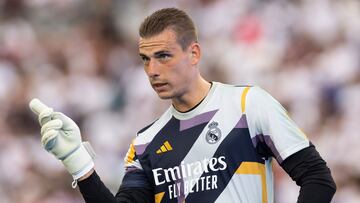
(270, 126)
(135, 176)
(131, 160)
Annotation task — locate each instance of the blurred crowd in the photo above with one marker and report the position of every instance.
(80, 57)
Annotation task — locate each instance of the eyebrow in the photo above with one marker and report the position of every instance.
(156, 54)
(143, 55)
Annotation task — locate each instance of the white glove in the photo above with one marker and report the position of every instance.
(61, 136)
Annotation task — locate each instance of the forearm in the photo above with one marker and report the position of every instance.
(315, 192)
(93, 190)
(310, 172)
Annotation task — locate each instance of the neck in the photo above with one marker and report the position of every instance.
(195, 94)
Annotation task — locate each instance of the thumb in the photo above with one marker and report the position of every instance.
(40, 109)
(37, 106)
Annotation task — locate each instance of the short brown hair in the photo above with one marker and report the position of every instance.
(172, 18)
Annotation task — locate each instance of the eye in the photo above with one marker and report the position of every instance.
(145, 59)
(164, 56)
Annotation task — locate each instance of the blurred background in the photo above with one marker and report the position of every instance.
(81, 58)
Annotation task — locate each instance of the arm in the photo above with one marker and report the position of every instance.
(310, 172)
(135, 186)
(61, 137)
(276, 134)
(93, 190)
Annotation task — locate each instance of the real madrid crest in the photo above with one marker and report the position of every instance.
(213, 135)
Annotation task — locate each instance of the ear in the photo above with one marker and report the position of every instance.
(195, 53)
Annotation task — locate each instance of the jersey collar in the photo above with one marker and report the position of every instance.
(197, 110)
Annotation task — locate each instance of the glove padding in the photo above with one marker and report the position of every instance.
(61, 136)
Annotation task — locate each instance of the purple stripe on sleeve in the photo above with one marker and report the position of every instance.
(140, 148)
(266, 139)
(130, 169)
(242, 122)
(197, 120)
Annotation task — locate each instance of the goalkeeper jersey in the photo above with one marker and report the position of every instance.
(220, 151)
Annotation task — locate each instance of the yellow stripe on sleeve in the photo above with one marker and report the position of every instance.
(130, 155)
(243, 99)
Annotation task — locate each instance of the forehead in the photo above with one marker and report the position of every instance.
(166, 40)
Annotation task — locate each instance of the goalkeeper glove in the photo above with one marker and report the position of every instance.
(61, 137)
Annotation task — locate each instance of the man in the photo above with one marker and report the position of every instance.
(215, 143)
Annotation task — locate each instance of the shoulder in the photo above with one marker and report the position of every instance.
(231, 89)
(146, 127)
(252, 96)
(259, 97)
(238, 91)
(232, 86)
(146, 134)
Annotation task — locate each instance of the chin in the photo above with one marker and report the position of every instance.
(165, 95)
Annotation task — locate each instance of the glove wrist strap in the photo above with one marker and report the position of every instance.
(79, 162)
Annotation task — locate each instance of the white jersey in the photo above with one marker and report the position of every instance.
(220, 151)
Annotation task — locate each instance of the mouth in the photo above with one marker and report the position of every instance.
(159, 86)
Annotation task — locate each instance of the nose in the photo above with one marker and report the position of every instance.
(152, 68)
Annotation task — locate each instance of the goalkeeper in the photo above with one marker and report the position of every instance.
(215, 143)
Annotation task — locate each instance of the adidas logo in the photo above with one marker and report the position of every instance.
(164, 148)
